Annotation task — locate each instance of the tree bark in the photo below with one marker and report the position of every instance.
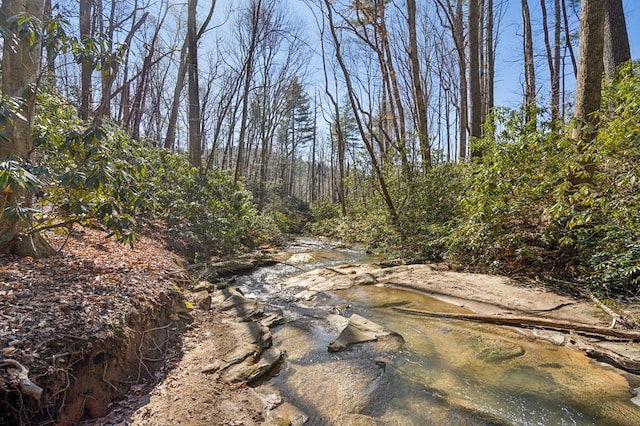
(195, 138)
(589, 82)
(491, 61)
(553, 71)
(590, 68)
(475, 91)
(555, 82)
(567, 35)
(170, 138)
(529, 69)
(616, 39)
(86, 65)
(20, 74)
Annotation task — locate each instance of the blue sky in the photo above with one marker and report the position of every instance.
(509, 67)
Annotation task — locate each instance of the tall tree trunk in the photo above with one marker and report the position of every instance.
(386, 196)
(418, 93)
(456, 23)
(20, 74)
(616, 39)
(589, 82)
(555, 82)
(195, 138)
(170, 138)
(86, 64)
(399, 122)
(491, 61)
(590, 65)
(553, 71)
(475, 93)
(529, 69)
(256, 11)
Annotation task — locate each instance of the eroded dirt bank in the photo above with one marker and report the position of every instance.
(84, 326)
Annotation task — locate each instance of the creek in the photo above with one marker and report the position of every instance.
(434, 371)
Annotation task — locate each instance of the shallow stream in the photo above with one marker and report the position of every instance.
(438, 372)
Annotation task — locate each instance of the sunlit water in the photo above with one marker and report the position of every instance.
(446, 372)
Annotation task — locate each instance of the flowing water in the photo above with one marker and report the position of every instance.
(442, 372)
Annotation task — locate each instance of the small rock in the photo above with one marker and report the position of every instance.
(272, 400)
(211, 368)
(203, 300)
(203, 286)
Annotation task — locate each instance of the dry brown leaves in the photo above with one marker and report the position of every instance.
(52, 309)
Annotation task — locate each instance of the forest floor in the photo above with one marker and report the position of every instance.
(58, 317)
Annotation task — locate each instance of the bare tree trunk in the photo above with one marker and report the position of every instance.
(529, 69)
(590, 68)
(491, 61)
(86, 65)
(475, 93)
(418, 92)
(456, 25)
(195, 138)
(463, 120)
(256, 11)
(170, 138)
(386, 196)
(555, 82)
(616, 39)
(553, 71)
(589, 82)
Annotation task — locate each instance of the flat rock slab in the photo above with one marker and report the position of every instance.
(485, 294)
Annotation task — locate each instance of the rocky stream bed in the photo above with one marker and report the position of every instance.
(293, 352)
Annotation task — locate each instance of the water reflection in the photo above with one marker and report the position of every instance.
(494, 370)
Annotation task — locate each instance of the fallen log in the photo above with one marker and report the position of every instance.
(522, 321)
(609, 356)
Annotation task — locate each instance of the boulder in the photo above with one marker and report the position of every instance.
(358, 330)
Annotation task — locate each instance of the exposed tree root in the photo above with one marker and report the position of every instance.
(21, 374)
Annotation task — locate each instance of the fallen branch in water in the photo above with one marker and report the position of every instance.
(26, 386)
(520, 321)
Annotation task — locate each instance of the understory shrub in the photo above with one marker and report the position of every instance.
(503, 226)
(96, 174)
(526, 211)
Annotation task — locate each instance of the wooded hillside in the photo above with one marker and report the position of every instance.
(229, 121)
